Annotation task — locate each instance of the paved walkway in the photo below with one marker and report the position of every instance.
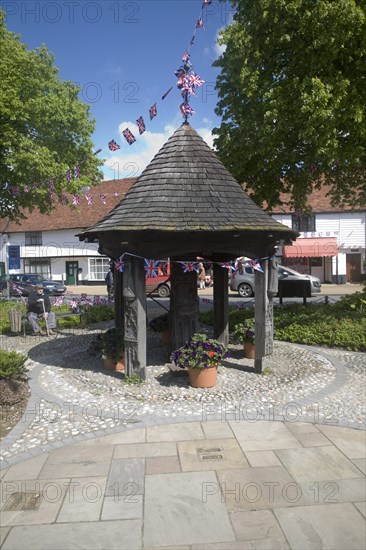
(220, 477)
(200, 485)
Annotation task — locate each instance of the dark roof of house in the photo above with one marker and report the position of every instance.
(186, 188)
(66, 217)
(318, 201)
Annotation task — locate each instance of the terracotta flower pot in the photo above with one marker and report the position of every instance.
(165, 337)
(115, 366)
(249, 350)
(203, 378)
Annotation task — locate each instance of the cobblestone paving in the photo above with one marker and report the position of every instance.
(73, 398)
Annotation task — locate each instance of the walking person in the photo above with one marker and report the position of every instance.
(201, 276)
(39, 307)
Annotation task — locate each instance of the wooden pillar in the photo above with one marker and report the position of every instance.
(266, 286)
(119, 320)
(221, 304)
(134, 297)
(184, 306)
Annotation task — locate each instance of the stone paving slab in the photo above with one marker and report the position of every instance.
(328, 527)
(172, 496)
(261, 436)
(83, 500)
(317, 463)
(114, 535)
(351, 443)
(75, 461)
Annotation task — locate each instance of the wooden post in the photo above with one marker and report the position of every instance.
(184, 306)
(119, 320)
(263, 313)
(221, 304)
(134, 297)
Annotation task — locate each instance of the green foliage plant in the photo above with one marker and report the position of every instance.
(160, 323)
(292, 99)
(45, 129)
(12, 365)
(244, 332)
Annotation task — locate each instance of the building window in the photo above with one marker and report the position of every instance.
(38, 265)
(98, 268)
(33, 238)
(303, 222)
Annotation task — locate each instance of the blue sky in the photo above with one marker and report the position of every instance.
(124, 54)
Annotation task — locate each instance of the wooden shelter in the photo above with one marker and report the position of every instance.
(185, 205)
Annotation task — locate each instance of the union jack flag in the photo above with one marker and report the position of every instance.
(189, 266)
(51, 185)
(103, 198)
(15, 190)
(63, 199)
(77, 171)
(113, 146)
(83, 297)
(89, 200)
(256, 265)
(97, 300)
(185, 57)
(26, 189)
(130, 138)
(151, 268)
(227, 265)
(119, 264)
(141, 125)
(75, 200)
(195, 80)
(68, 176)
(199, 24)
(166, 93)
(98, 151)
(192, 40)
(153, 111)
(186, 109)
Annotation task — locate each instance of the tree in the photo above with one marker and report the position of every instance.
(292, 97)
(44, 130)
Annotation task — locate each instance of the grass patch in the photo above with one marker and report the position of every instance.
(341, 325)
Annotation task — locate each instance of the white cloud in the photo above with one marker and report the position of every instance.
(112, 68)
(131, 160)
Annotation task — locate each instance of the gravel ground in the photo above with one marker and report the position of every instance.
(73, 396)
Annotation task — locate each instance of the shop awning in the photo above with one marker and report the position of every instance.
(311, 248)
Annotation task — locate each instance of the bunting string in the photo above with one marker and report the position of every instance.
(154, 268)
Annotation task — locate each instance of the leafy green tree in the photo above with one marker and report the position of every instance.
(292, 97)
(44, 130)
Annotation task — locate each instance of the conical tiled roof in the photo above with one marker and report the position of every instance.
(186, 188)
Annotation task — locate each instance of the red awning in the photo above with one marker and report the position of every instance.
(311, 248)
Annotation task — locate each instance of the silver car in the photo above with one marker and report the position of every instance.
(243, 284)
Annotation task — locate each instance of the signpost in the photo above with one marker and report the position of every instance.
(14, 256)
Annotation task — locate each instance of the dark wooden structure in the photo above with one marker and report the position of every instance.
(186, 204)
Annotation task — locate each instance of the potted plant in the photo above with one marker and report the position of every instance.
(161, 324)
(245, 334)
(201, 356)
(110, 347)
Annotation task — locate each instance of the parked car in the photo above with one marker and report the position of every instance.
(244, 283)
(26, 282)
(161, 283)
